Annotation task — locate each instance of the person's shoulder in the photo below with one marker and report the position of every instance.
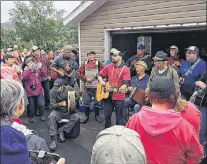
(147, 76)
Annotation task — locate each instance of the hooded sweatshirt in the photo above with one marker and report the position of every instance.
(167, 137)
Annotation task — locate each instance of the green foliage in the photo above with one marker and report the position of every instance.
(39, 23)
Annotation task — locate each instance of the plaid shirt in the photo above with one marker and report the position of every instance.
(81, 72)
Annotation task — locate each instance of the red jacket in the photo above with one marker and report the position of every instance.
(167, 137)
(193, 116)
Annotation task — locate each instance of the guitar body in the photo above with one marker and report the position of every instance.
(68, 74)
(102, 91)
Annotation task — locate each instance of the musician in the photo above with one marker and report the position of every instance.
(88, 74)
(118, 77)
(174, 60)
(161, 68)
(58, 98)
(190, 71)
(67, 64)
(140, 56)
(140, 81)
(202, 83)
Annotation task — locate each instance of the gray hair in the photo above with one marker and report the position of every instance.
(68, 47)
(11, 94)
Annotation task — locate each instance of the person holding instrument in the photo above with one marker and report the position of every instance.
(59, 99)
(118, 76)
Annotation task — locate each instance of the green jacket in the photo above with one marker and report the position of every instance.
(172, 73)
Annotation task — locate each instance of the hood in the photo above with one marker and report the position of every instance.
(13, 146)
(157, 122)
(21, 128)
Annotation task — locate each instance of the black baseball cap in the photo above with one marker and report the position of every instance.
(160, 56)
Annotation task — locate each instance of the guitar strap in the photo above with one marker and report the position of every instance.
(192, 68)
(119, 74)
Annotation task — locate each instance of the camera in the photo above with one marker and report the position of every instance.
(33, 86)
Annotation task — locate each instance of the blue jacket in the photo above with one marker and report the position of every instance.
(188, 86)
(142, 83)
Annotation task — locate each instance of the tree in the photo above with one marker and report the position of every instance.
(40, 23)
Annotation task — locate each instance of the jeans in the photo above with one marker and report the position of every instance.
(128, 102)
(46, 87)
(203, 133)
(34, 103)
(121, 112)
(88, 94)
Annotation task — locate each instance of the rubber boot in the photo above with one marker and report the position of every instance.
(53, 144)
(87, 113)
(97, 118)
(61, 137)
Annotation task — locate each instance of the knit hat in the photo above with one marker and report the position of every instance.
(118, 145)
(162, 85)
(142, 63)
(28, 59)
(13, 146)
(160, 56)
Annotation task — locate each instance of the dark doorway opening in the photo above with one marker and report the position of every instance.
(160, 41)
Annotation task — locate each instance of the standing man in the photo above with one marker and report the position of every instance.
(190, 71)
(140, 56)
(118, 76)
(88, 74)
(174, 59)
(161, 68)
(41, 61)
(65, 66)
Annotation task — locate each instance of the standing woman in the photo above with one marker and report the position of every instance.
(34, 89)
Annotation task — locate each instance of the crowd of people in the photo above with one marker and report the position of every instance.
(168, 127)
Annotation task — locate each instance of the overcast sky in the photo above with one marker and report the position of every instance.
(69, 6)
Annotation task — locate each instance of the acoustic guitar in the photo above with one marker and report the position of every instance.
(102, 92)
(198, 96)
(66, 73)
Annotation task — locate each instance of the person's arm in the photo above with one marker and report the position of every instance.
(54, 65)
(103, 73)
(150, 78)
(26, 74)
(176, 79)
(126, 79)
(100, 66)
(53, 100)
(81, 73)
(194, 154)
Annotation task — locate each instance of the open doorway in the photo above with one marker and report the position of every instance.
(160, 41)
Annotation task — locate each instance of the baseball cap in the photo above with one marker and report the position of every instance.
(28, 59)
(193, 49)
(174, 47)
(15, 47)
(34, 48)
(141, 47)
(9, 49)
(91, 52)
(118, 144)
(160, 56)
(59, 82)
(162, 85)
(142, 63)
(115, 52)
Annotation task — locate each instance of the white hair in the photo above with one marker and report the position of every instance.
(11, 94)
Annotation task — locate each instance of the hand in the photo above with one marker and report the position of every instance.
(61, 161)
(200, 84)
(177, 63)
(103, 83)
(62, 103)
(130, 88)
(123, 88)
(61, 73)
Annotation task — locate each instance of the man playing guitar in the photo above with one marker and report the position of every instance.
(118, 76)
(65, 66)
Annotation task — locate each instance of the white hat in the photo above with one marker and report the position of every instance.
(35, 48)
(118, 145)
(115, 51)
